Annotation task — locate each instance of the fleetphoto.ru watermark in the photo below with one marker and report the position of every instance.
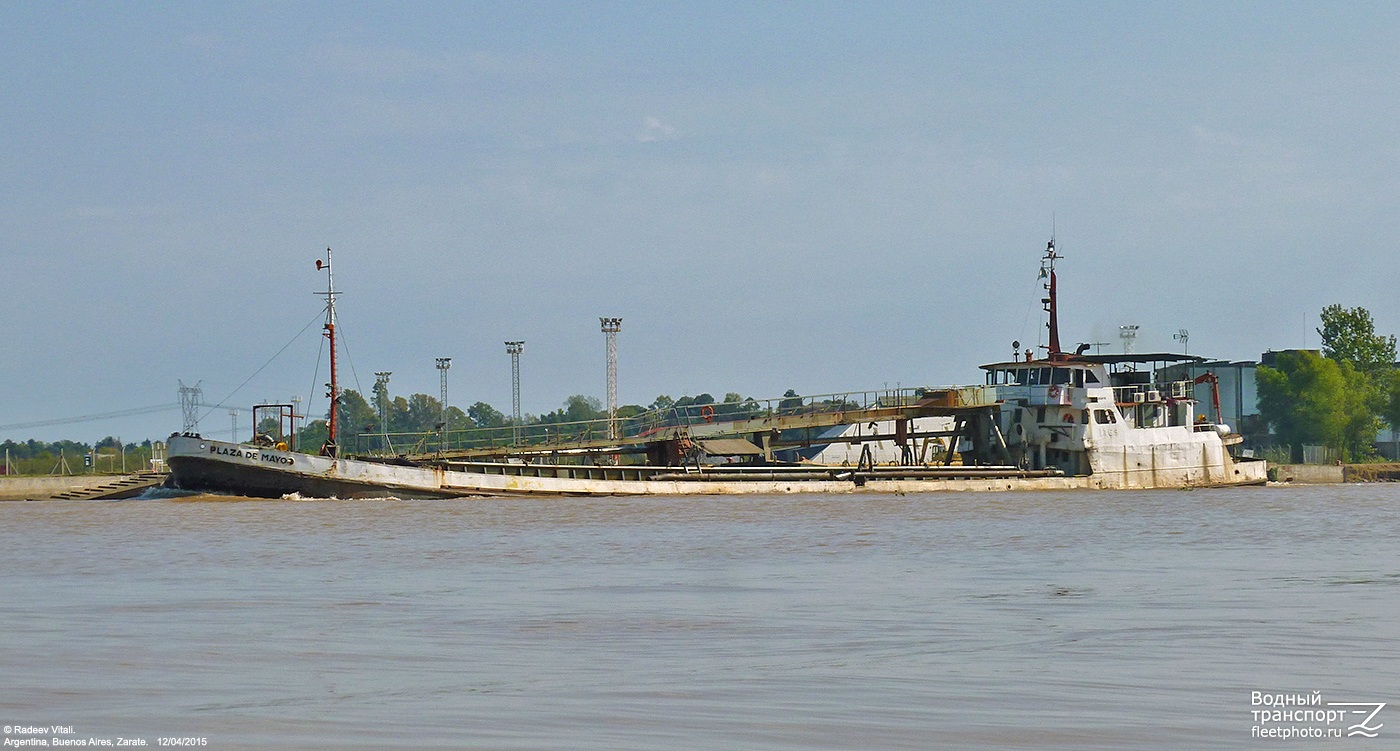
(1287, 716)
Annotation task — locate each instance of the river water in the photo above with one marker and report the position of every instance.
(1114, 620)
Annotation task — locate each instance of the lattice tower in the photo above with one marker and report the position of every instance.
(190, 399)
(610, 328)
(514, 349)
(443, 363)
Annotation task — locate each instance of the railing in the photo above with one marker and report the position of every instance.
(545, 435)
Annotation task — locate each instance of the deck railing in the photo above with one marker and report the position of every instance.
(537, 435)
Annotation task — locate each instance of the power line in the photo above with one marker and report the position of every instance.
(133, 412)
(98, 417)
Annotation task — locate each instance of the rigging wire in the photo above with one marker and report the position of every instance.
(346, 344)
(264, 366)
(315, 376)
(1031, 301)
(316, 373)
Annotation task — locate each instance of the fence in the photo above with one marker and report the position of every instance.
(1321, 455)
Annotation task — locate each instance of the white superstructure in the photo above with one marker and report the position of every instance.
(1119, 426)
(1121, 429)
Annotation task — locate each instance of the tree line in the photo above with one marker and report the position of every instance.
(1339, 397)
(360, 419)
(35, 457)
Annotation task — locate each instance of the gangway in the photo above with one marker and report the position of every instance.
(667, 436)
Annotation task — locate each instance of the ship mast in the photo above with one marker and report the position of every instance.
(1047, 269)
(333, 388)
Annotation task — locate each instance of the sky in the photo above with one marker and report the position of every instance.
(825, 197)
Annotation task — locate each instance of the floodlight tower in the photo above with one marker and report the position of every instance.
(190, 398)
(1128, 334)
(443, 363)
(381, 387)
(514, 349)
(610, 328)
(296, 418)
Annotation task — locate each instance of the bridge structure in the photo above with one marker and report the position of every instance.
(752, 430)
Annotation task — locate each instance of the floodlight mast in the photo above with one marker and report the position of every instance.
(610, 328)
(514, 349)
(443, 363)
(381, 383)
(1128, 334)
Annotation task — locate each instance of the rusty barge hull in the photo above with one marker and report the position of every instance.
(222, 467)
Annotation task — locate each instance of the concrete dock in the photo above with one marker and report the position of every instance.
(78, 487)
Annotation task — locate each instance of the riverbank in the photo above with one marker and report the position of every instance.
(75, 487)
(1326, 474)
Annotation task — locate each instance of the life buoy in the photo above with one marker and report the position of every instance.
(1069, 417)
(1054, 392)
(708, 413)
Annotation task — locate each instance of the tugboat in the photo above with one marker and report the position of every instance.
(1107, 419)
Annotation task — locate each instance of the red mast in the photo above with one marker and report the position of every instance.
(333, 392)
(1047, 268)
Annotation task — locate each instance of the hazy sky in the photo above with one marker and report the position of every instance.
(824, 197)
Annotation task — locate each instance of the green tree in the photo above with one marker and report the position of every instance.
(662, 402)
(357, 418)
(1349, 335)
(1392, 405)
(458, 420)
(580, 408)
(312, 436)
(424, 413)
(791, 403)
(486, 416)
(736, 407)
(1310, 399)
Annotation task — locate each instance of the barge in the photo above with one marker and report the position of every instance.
(1060, 421)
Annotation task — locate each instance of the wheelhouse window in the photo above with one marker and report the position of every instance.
(1061, 376)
